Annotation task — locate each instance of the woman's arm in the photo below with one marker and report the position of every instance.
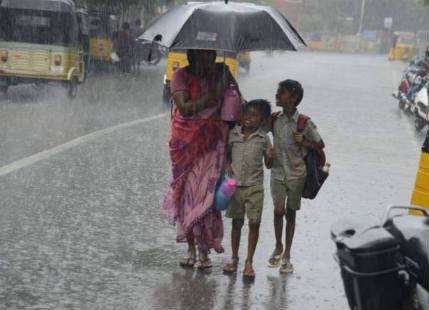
(188, 107)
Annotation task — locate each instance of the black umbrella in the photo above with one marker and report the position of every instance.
(223, 26)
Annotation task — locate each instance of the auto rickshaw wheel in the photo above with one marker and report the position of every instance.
(72, 88)
(246, 66)
(166, 94)
(419, 123)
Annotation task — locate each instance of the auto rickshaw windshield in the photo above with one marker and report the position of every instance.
(99, 27)
(39, 27)
(407, 40)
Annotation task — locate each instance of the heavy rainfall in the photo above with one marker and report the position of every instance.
(116, 122)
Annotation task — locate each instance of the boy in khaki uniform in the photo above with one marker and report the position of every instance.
(247, 146)
(288, 173)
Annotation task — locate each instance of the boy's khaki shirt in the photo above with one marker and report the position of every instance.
(247, 156)
(288, 155)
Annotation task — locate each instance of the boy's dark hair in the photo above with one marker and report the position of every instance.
(294, 88)
(261, 105)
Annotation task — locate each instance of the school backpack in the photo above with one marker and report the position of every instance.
(315, 162)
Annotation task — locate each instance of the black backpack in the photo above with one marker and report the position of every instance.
(315, 162)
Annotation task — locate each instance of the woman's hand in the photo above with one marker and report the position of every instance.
(188, 107)
(228, 169)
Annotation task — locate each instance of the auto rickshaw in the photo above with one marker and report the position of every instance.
(315, 41)
(178, 59)
(420, 196)
(41, 41)
(244, 60)
(102, 27)
(404, 46)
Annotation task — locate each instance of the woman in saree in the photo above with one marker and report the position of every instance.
(197, 151)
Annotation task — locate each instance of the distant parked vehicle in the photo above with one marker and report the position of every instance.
(404, 46)
(102, 27)
(314, 41)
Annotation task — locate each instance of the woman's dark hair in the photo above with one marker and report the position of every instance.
(261, 105)
(125, 26)
(294, 88)
(191, 55)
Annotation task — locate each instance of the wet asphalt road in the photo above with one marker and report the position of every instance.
(81, 228)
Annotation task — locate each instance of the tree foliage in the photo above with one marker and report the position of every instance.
(127, 9)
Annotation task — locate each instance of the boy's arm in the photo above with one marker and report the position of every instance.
(313, 145)
(268, 153)
(273, 118)
(314, 141)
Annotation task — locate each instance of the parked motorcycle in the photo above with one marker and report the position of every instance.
(422, 106)
(384, 265)
(410, 83)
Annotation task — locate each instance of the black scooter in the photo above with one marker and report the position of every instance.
(384, 265)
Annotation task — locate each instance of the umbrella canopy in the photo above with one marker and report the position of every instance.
(229, 27)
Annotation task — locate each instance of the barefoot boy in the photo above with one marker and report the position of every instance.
(247, 146)
(289, 172)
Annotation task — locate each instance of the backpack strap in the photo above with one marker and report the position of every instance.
(302, 120)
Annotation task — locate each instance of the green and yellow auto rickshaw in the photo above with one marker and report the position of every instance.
(42, 41)
(102, 28)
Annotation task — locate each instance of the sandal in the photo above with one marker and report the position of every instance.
(230, 267)
(204, 263)
(274, 261)
(286, 266)
(249, 273)
(188, 261)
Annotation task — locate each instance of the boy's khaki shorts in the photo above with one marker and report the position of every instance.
(290, 190)
(247, 200)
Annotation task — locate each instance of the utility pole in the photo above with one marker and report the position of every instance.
(362, 13)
